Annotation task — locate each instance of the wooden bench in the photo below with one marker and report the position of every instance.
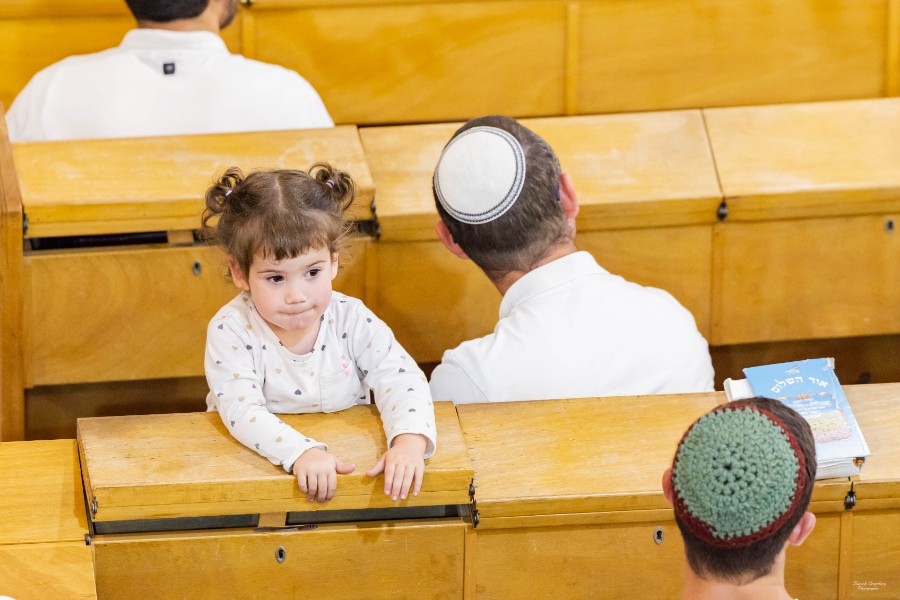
(42, 541)
(384, 61)
(124, 313)
(568, 503)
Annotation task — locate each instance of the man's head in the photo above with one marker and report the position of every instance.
(166, 11)
(740, 484)
(502, 197)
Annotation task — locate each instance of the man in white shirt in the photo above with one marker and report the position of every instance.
(567, 328)
(172, 75)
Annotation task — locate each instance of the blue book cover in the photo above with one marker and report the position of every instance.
(812, 389)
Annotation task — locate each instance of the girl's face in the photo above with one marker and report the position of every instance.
(291, 295)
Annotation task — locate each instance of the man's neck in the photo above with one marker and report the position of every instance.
(768, 587)
(504, 283)
(203, 22)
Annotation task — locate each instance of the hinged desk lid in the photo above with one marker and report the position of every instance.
(629, 170)
(589, 455)
(875, 407)
(158, 183)
(808, 160)
(188, 465)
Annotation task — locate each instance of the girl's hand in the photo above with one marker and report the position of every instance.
(403, 464)
(316, 471)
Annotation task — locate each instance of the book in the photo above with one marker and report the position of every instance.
(812, 389)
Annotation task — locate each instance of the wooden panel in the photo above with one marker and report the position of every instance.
(875, 555)
(629, 171)
(423, 62)
(676, 259)
(619, 561)
(189, 465)
(650, 55)
(800, 279)
(158, 183)
(42, 499)
(431, 300)
(811, 569)
(123, 314)
(808, 160)
(61, 571)
(387, 560)
(12, 302)
(153, 311)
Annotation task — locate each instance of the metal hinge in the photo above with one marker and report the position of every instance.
(475, 516)
(850, 498)
(722, 211)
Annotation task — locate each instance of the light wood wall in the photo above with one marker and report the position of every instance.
(387, 61)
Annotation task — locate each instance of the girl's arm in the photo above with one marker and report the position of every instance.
(404, 400)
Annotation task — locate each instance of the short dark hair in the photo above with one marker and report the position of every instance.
(163, 11)
(522, 236)
(281, 213)
(746, 563)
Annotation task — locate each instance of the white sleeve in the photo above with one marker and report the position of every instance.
(401, 388)
(23, 116)
(304, 99)
(236, 382)
(450, 382)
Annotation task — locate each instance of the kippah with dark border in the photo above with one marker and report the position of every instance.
(738, 476)
(480, 174)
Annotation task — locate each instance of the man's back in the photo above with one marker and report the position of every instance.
(161, 82)
(569, 329)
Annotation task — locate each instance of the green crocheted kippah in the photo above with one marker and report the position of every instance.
(736, 475)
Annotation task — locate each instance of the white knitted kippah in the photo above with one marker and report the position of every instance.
(480, 174)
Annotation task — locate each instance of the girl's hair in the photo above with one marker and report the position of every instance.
(281, 213)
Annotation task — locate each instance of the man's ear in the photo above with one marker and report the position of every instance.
(447, 239)
(802, 529)
(567, 198)
(667, 485)
(569, 202)
(335, 264)
(237, 274)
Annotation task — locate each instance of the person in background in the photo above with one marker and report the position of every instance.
(740, 484)
(567, 327)
(172, 75)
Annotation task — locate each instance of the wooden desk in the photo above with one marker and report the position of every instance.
(648, 195)
(140, 311)
(138, 470)
(570, 499)
(42, 545)
(808, 249)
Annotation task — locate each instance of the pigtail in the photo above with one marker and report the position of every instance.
(218, 197)
(338, 186)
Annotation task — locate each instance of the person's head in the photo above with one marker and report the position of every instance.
(740, 484)
(502, 197)
(166, 11)
(283, 232)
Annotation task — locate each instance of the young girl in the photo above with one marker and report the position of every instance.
(288, 344)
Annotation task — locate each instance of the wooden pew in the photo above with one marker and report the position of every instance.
(125, 313)
(648, 194)
(570, 504)
(176, 494)
(808, 248)
(384, 61)
(42, 541)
